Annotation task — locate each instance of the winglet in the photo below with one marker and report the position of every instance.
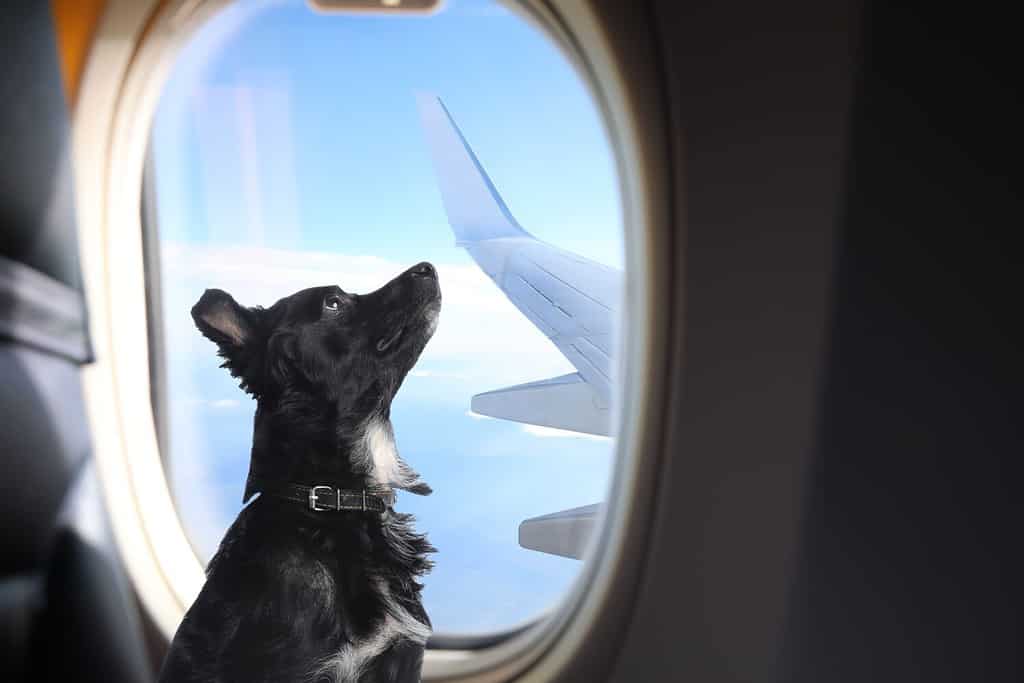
(565, 402)
(475, 209)
(564, 533)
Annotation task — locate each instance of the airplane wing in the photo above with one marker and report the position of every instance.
(573, 301)
(562, 533)
(565, 402)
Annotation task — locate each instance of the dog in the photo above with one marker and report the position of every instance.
(316, 580)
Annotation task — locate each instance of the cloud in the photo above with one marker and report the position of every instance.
(551, 432)
(438, 374)
(225, 403)
(214, 403)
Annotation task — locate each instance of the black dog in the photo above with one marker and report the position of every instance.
(314, 584)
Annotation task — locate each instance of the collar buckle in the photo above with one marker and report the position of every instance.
(314, 498)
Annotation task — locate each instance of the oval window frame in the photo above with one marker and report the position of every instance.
(133, 48)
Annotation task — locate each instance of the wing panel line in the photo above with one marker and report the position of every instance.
(570, 285)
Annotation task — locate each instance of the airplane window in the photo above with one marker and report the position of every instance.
(295, 148)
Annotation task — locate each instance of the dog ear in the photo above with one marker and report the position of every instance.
(227, 324)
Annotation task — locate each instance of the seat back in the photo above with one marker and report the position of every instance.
(66, 609)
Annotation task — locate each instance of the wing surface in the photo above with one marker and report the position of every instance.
(572, 300)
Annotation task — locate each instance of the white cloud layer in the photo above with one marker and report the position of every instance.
(480, 335)
(551, 432)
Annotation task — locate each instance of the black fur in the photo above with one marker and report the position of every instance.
(290, 588)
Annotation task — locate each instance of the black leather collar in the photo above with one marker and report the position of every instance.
(327, 498)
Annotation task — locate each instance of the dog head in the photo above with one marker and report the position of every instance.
(324, 365)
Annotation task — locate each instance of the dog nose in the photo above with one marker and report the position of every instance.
(424, 270)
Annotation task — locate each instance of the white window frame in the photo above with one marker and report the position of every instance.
(133, 48)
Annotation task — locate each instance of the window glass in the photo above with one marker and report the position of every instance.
(294, 148)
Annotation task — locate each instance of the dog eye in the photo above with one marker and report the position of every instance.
(332, 303)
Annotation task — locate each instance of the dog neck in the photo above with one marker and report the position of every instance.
(326, 448)
(375, 449)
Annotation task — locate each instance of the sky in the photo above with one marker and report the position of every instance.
(288, 153)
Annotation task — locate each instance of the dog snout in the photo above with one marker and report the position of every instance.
(424, 270)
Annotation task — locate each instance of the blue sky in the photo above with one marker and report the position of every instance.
(289, 154)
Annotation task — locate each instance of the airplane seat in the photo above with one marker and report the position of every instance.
(66, 609)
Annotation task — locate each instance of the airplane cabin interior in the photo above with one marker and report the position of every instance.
(824, 445)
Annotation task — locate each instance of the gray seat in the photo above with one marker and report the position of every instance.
(66, 609)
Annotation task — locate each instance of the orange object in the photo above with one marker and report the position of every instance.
(74, 25)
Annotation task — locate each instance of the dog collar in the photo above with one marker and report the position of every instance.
(327, 498)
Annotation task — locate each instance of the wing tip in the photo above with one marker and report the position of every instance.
(476, 210)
